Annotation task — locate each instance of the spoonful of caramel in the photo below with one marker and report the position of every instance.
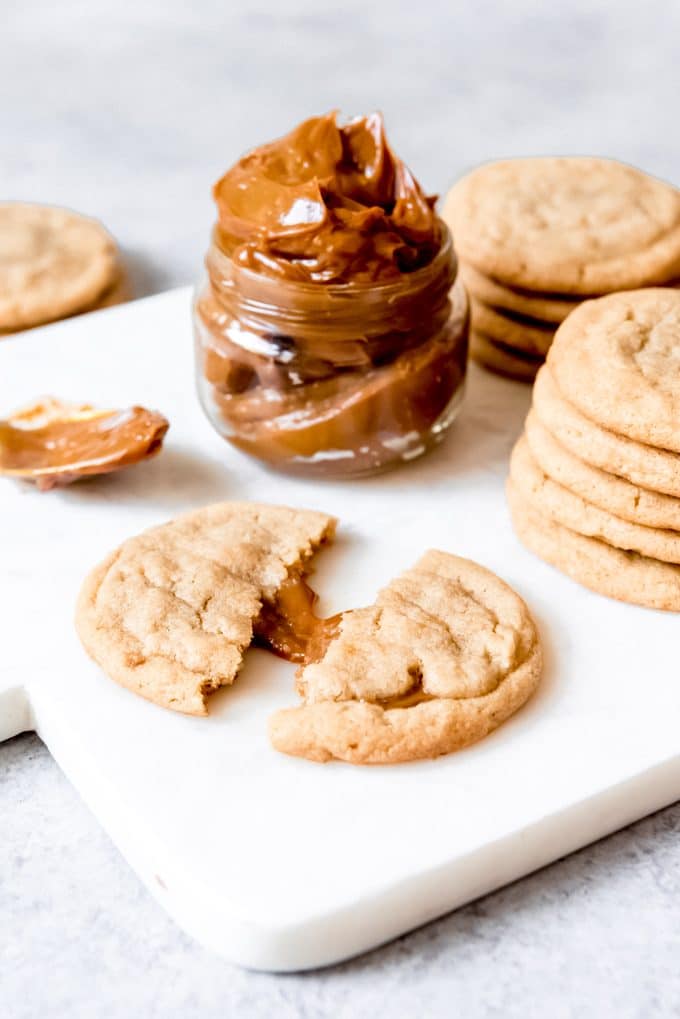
(54, 443)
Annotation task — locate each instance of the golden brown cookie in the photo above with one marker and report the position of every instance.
(647, 466)
(617, 360)
(170, 613)
(568, 225)
(545, 308)
(625, 576)
(557, 503)
(53, 263)
(447, 653)
(609, 492)
(525, 335)
(503, 360)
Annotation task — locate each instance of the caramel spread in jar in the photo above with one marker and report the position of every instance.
(53, 443)
(330, 337)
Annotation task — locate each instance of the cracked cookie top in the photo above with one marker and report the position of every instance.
(617, 360)
(170, 613)
(447, 652)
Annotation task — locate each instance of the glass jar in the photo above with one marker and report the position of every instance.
(331, 379)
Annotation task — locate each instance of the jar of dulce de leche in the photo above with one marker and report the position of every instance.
(331, 331)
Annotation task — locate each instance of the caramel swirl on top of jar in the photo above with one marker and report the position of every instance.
(54, 443)
(327, 204)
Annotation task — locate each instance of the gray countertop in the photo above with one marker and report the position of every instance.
(128, 111)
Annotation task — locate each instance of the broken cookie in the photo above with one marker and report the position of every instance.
(171, 612)
(447, 653)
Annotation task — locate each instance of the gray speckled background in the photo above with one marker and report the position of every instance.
(128, 110)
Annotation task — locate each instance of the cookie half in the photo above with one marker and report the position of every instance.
(447, 653)
(53, 263)
(625, 576)
(557, 503)
(566, 225)
(617, 359)
(647, 466)
(609, 492)
(170, 613)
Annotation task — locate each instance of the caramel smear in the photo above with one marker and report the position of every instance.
(52, 443)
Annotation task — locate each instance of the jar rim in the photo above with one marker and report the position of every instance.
(446, 256)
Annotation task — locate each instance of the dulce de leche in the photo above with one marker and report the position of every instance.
(331, 333)
(52, 443)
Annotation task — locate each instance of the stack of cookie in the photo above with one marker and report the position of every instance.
(594, 483)
(535, 237)
(54, 263)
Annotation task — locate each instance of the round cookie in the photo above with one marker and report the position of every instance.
(568, 225)
(503, 360)
(647, 466)
(618, 496)
(617, 360)
(559, 504)
(625, 576)
(541, 307)
(170, 613)
(526, 336)
(53, 263)
(447, 653)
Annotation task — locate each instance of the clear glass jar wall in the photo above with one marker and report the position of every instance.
(335, 380)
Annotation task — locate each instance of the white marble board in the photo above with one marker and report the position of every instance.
(279, 863)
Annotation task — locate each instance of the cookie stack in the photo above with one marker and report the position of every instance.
(535, 237)
(54, 263)
(594, 483)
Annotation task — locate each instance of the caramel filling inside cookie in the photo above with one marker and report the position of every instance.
(444, 655)
(416, 695)
(290, 628)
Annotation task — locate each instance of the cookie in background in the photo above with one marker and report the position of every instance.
(536, 237)
(54, 263)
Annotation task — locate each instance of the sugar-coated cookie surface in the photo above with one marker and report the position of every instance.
(617, 359)
(170, 613)
(555, 502)
(644, 465)
(625, 576)
(445, 655)
(609, 492)
(53, 263)
(568, 225)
